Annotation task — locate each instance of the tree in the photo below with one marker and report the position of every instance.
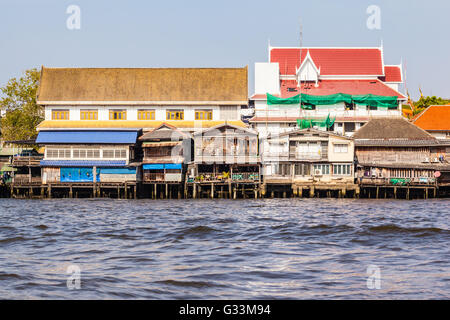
(425, 102)
(22, 114)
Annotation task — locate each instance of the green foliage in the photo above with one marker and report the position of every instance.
(19, 102)
(425, 102)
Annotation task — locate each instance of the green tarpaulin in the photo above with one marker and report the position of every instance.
(309, 123)
(309, 100)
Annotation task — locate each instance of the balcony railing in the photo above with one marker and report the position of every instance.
(397, 181)
(26, 179)
(26, 161)
(235, 177)
(162, 177)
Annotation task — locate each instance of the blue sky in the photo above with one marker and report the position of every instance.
(199, 33)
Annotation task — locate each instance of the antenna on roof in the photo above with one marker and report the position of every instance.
(300, 64)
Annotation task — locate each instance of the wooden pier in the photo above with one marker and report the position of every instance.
(74, 190)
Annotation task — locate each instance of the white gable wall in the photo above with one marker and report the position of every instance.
(267, 78)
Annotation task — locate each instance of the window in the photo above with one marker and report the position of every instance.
(175, 114)
(115, 154)
(340, 148)
(342, 169)
(320, 169)
(203, 114)
(58, 153)
(89, 114)
(60, 114)
(146, 114)
(86, 153)
(117, 115)
(310, 150)
(302, 169)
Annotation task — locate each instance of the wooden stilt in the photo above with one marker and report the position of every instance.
(212, 190)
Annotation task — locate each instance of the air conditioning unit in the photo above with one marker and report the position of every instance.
(317, 172)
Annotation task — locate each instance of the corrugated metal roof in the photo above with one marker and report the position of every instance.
(107, 137)
(83, 163)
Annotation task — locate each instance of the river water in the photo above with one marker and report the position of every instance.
(224, 249)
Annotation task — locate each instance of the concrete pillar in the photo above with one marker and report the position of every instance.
(70, 192)
(311, 192)
(212, 190)
(49, 191)
(194, 191)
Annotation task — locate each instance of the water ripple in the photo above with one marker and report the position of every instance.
(222, 249)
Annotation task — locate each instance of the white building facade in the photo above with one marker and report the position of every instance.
(356, 72)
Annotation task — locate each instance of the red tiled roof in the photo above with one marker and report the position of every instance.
(434, 118)
(327, 87)
(392, 74)
(331, 61)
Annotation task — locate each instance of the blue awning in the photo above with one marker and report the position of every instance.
(160, 166)
(153, 166)
(82, 163)
(172, 166)
(87, 136)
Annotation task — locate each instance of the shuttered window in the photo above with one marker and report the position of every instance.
(146, 114)
(203, 114)
(175, 114)
(89, 114)
(60, 114)
(117, 114)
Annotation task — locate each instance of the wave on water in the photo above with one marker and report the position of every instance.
(392, 228)
(194, 284)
